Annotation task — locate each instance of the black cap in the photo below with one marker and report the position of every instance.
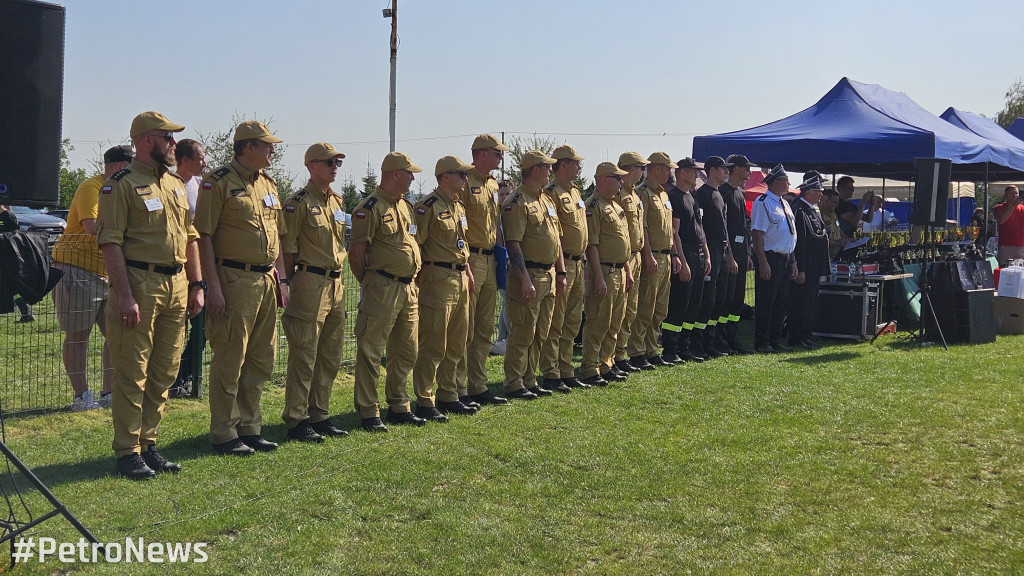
(715, 162)
(738, 160)
(118, 154)
(774, 174)
(811, 183)
(689, 163)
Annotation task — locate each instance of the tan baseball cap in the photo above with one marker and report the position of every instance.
(532, 158)
(485, 141)
(398, 161)
(662, 158)
(253, 130)
(632, 159)
(608, 169)
(451, 164)
(566, 152)
(152, 121)
(321, 151)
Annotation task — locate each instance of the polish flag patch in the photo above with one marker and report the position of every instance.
(106, 190)
(421, 211)
(289, 208)
(207, 185)
(361, 215)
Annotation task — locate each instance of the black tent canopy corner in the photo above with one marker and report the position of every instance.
(866, 130)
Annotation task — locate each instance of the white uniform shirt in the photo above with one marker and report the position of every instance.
(773, 216)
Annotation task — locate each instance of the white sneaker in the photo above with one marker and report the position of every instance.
(84, 402)
(498, 348)
(106, 399)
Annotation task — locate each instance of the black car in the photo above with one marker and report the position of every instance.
(30, 219)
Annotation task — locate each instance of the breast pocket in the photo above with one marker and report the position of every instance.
(240, 206)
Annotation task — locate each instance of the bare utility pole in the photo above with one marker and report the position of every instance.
(393, 14)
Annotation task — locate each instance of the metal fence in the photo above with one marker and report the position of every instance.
(32, 374)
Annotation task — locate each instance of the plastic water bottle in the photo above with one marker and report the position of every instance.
(834, 268)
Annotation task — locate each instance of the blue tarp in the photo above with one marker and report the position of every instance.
(867, 130)
(1017, 128)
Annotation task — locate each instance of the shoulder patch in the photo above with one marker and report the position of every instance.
(430, 201)
(421, 211)
(121, 174)
(550, 187)
(474, 189)
(370, 203)
(218, 174)
(289, 208)
(300, 194)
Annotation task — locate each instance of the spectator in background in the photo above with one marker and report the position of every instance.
(191, 160)
(501, 274)
(836, 240)
(849, 213)
(80, 298)
(877, 218)
(1010, 218)
(9, 223)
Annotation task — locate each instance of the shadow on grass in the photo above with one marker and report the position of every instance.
(822, 358)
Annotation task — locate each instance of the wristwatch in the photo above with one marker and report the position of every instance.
(285, 281)
(200, 283)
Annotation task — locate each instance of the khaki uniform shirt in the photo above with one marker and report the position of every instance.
(315, 228)
(481, 202)
(530, 218)
(240, 211)
(608, 229)
(441, 229)
(146, 213)
(634, 209)
(387, 227)
(658, 216)
(572, 216)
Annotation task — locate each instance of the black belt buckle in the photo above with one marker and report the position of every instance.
(261, 268)
(664, 251)
(402, 279)
(613, 265)
(537, 265)
(321, 271)
(484, 251)
(573, 258)
(158, 268)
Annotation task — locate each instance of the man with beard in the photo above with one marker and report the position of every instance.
(659, 262)
(812, 262)
(713, 218)
(557, 351)
(240, 221)
(314, 320)
(145, 231)
(737, 224)
(482, 205)
(678, 338)
(633, 164)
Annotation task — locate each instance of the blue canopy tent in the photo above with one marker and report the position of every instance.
(1017, 128)
(866, 130)
(985, 128)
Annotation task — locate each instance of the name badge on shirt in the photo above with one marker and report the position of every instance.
(339, 215)
(154, 204)
(551, 212)
(465, 224)
(700, 212)
(412, 229)
(270, 200)
(738, 239)
(582, 205)
(495, 197)
(668, 204)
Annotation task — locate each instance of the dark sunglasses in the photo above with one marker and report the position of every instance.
(334, 162)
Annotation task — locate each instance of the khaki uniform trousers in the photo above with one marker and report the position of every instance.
(471, 374)
(146, 357)
(244, 343)
(604, 319)
(444, 323)
(556, 351)
(388, 321)
(529, 324)
(652, 307)
(632, 298)
(314, 323)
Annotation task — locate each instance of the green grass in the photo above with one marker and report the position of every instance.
(853, 459)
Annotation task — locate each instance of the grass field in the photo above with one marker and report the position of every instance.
(852, 459)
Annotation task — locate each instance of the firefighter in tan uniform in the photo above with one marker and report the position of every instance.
(482, 206)
(556, 352)
(633, 163)
(385, 259)
(529, 221)
(314, 321)
(609, 279)
(145, 232)
(240, 221)
(445, 283)
(658, 261)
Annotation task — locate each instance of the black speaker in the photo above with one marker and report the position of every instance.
(32, 75)
(965, 317)
(931, 191)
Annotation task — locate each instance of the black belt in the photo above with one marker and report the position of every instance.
(448, 265)
(613, 265)
(402, 279)
(485, 252)
(573, 258)
(168, 270)
(262, 269)
(538, 265)
(664, 251)
(320, 271)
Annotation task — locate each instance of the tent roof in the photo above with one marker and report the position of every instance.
(1017, 128)
(986, 128)
(863, 129)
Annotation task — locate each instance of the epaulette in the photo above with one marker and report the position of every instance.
(218, 174)
(761, 197)
(121, 174)
(267, 176)
(515, 198)
(300, 194)
(430, 201)
(177, 176)
(593, 202)
(551, 187)
(370, 203)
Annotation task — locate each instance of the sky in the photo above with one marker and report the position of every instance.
(602, 76)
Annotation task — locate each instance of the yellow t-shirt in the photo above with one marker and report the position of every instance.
(77, 246)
